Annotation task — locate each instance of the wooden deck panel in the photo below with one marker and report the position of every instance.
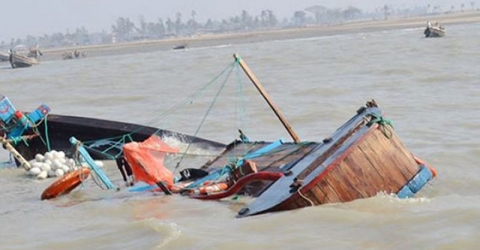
(271, 161)
(287, 154)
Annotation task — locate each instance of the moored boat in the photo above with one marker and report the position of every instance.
(22, 61)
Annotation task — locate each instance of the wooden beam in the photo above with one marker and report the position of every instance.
(23, 163)
(267, 98)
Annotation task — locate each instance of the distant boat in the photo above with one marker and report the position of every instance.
(20, 57)
(435, 30)
(22, 61)
(182, 46)
(73, 54)
(4, 56)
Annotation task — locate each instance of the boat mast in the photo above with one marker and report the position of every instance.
(267, 98)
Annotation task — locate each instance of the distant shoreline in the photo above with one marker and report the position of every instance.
(257, 36)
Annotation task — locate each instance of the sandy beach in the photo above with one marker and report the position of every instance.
(235, 38)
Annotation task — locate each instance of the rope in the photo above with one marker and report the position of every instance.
(206, 113)
(305, 197)
(121, 139)
(382, 122)
(45, 141)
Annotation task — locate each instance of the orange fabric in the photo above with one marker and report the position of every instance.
(146, 160)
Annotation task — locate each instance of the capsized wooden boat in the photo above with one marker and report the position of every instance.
(362, 158)
(38, 132)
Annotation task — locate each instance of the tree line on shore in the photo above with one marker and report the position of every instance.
(125, 30)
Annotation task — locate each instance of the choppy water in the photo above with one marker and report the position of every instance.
(427, 87)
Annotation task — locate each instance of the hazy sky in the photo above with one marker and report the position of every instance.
(37, 17)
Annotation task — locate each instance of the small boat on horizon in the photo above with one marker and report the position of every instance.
(4, 56)
(435, 30)
(180, 47)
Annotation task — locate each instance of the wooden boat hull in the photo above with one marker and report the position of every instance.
(22, 61)
(360, 160)
(434, 32)
(38, 132)
(4, 57)
(101, 136)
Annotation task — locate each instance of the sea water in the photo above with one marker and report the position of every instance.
(427, 87)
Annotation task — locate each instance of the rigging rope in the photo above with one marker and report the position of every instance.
(207, 113)
(185, 102)
(383, 122)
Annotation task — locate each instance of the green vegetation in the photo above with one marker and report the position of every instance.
(125, 30)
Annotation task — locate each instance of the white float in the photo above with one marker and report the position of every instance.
(53, 164)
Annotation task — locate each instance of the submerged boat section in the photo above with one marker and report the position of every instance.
(361, 159)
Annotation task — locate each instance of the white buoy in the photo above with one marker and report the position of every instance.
(70, 163)
(59, 172)
(61, 154)
(51, 173)
(65, 168)
(42, 175)
(49, 162)
(48, 156)
(34, 171)
(56, 164)
(46, 167)
(36, 164)
(39, 157)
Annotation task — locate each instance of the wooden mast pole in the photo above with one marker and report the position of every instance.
(267, 98)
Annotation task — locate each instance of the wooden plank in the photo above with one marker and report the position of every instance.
(381, 163)
(342, 184)
(397, 164)
(267, 97)
(330, 194)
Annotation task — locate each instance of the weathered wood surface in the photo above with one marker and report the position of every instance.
(358, 161)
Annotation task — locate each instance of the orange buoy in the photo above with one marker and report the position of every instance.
(213, 188)
(66, 183)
